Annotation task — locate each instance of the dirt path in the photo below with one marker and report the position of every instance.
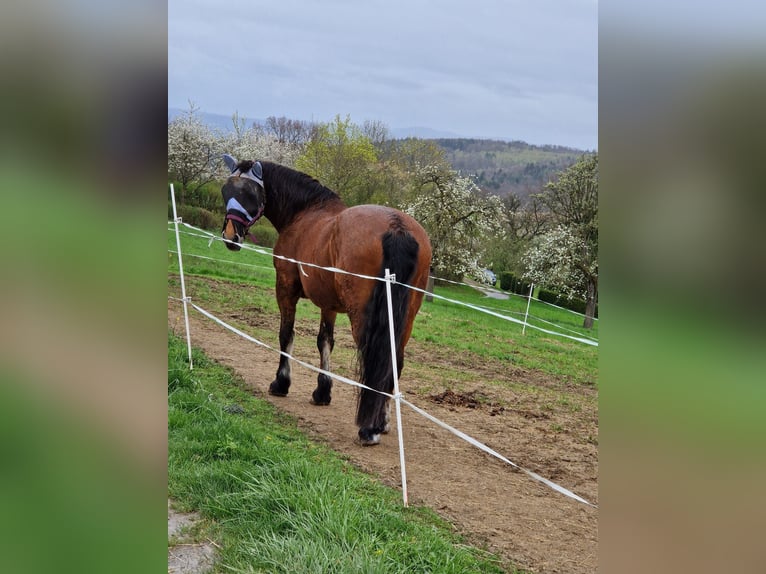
(533, 419)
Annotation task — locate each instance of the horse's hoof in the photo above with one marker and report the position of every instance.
(320, 399)
(386, 429)
(368, 438)
(276, 391)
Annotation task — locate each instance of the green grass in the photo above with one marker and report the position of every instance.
(276, 502)
(486, 336)
(476, 336)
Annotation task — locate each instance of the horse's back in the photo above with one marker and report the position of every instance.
(360, 231)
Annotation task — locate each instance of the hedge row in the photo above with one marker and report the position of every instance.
(574, 304)
(207, 197)
(197, 216)
(509, 282)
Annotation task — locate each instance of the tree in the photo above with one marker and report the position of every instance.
(395, 175)
(193, 151)
(257, 143)
(555, 259)
(457, 217)
(290, 132)
(341, 156)
(412, 153)
(377, 132)
(522, 220)
(566, 257)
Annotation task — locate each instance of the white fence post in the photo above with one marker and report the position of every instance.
(185, 299)
(397, 395)
(529, 300)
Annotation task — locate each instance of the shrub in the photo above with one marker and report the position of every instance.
(264, 233)
(207, 197)
(509, 282)
(574, 304)
(522, 288)
(197, 216)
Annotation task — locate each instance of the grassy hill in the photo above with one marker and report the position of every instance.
(504, 167)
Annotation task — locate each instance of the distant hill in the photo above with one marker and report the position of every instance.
(421, 132)
(224, 123)
(504, 167)
(214, 121)
(498, 166)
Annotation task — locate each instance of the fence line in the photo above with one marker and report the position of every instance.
(499, 292)
(211, 237)
(470, 306)
(397, 397)
(224, 260)
(485, 448)
(531, 316)
(565, 309)
(564, 328)
(208, 235)
(483, 307)
(302, 264)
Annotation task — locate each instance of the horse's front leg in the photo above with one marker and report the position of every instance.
(281, 384)
(325, 344)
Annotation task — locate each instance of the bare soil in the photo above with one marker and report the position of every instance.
(541, 423)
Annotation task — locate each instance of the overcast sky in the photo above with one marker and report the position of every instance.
(517, 69)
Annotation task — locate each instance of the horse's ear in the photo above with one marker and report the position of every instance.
(230, 162)
(256, 173)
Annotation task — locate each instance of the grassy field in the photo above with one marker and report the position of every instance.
(477, 335)
(276, 502)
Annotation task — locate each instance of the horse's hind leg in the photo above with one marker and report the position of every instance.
(325, 344)
(281, 384)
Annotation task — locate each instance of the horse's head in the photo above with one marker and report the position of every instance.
(245, 199)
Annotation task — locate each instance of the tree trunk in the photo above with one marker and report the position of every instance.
(590, 303)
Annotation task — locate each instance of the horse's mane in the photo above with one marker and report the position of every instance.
(245, 165)
(290, 191)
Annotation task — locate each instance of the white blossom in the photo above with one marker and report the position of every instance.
(193, 149)
(457, 217)
(255, 144)
(556, 260)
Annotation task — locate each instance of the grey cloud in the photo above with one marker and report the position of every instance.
(486, 68)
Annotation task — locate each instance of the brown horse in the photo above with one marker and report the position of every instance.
(316, 227)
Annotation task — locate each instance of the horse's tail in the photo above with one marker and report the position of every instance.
(400, 256)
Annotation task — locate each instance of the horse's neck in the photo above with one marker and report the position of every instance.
(285, 202)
